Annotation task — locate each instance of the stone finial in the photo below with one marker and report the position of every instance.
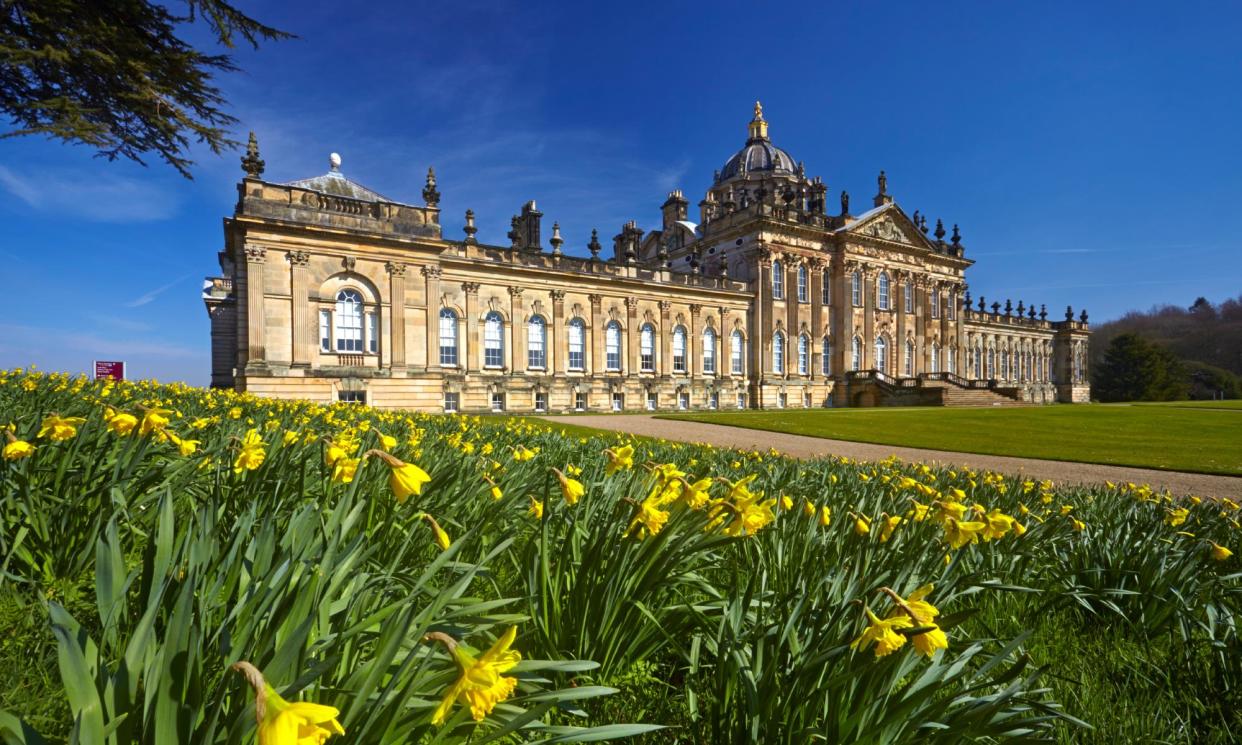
(470, 228)
(430, 194)
(556, 239)
(957, 237)
(923, 224)
(882, 197)
(594, 246)
(1008, 308)
(995, 309)
(915, 219)
(1043, 312)
(1031, 312)
(966, 300)
(1083, 316)
(334, 162)
(724, 265)
(1069, 313)
(1021, 309)
(251, 163)
(845, 203)
(939, 231)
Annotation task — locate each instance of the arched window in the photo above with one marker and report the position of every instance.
(709, 351)
(679, 349)
(804, 355)
(1004, 364)
(882, 297)
(991, 371)
(348, 321)
(736, 353)
(935, 360)
(909, 362)
(778, 280)
(612, 346)
(881, 354)
(953, 360)
(978, 362)
(536, 343)
(778, 353)
(825, 359)
(493, 340)
(577, 344)
(856, 354)
(448, 337)
(803, 290)
(856, 288)
(909, 296)
(646, 348)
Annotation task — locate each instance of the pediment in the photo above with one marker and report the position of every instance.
(889, 223)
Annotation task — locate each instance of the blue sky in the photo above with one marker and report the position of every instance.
(1089, 151)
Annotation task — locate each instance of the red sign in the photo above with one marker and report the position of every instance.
(112, 370)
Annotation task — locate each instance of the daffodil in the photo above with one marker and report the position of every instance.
(16, 449)
(251, 454)
(862, 526)
(152, 420)
(890, 524)
(59, 428)
(959, 533)
(571, 489)
(825, 516)
(923, 614)
(1176, 517)
(1219, 552)
(388, 442)
(481, 685)
(522, 453)
(403, 478)
(619, 459)
(883, 633)
(536, 508)
(119, 422)
(344, 469)
(442, 538)
(283, 722)
(648, 520)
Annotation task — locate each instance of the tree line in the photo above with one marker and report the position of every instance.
(1170, 353)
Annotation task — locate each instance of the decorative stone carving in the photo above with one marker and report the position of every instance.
(558, 296)
(631, 303)
(251, 163)
(431, 271)
(256, 254)
(516, 291)
(349, 263)
(695, 308)
(595, 300)
(886, 229)
(298, 258)
(666, 306)
(470, 288)
(395, 269)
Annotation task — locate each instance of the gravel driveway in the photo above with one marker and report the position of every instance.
(799, 446)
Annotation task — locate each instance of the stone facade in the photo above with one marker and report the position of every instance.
(330, 291)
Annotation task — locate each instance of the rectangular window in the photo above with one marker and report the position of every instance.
(935, 304)
(536, 357)
(952, 307)
(825, 360)
(679, 351)
(325, 331)
(778, 280)
(781, 399)
(498, 402)
(541, 401)
(713, 401)
(612, 347)
(373, 333)
(646, 352)
(683, 401)
(856, 290)
(803, 291)
(651, 401)
(825, 291)
(806, 400)
(741, 400)
(909, 295)
(709, 354)
(735, 353)
(352, 397)
(452, 401)
(618, 401)
(577, 358)
(448, 339)
(579, 401)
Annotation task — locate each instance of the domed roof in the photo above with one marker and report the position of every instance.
(758, 154)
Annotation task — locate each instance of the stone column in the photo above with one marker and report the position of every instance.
(300, 309)
(958, 328)
(597, 363)
(840, 315)
(666, 339)
(632, 336)
(899, 344)
(760, 331)
(724, 346)
(256, 321)
(920, 325)
(471, 289)
(518, 358)
(554, 334)
(431, 310)
(695, 364)
(396, 316)
(946, 297)
(868, 346)
(816, 290)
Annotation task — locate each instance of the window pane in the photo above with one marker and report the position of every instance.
(348, 321)
(577, 334)
(709, 351)
(493, 342)
(736, 353)
(612, 345)
(679, 349)
(448, 337)
(535, 349)
(325, 330)
(373, 333)
(778, 353)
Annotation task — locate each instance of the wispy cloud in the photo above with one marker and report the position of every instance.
(93, 195)
(149, 296)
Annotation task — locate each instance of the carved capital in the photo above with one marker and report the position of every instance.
(558, 296)
(695, 308)
(395, 269)
(764, 254)
(431, 272)
(298, 258)
(470, 288)
(516, 291)
(666, 306)
(631, 304)
(724, 311)
(791, 260)
(256, 254)
(595, 300)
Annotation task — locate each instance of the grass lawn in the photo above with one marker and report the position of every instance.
(1181, 437)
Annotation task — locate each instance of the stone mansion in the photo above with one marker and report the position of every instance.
(331, 292)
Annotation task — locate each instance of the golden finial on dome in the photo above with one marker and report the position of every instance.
(758, 127)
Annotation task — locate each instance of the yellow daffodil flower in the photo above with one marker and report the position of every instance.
(388, 442)
(120, 423)
(1079, 525)
(923, 614)
(648, 520)
(403, 478)
(152, 420)
(442, 538)
(283, 722)
(959, 533)
(252, 453)
(619, 459)
(890, 524)
(522, 453)
(882, 633)
(344, 469)
(862, 525)
(1219, 552)
(571, 489)
(825, 516)
(536, 508)
(481, 685)
(59, 428)
(16, 449)
(1176, 517)
(787, 503)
